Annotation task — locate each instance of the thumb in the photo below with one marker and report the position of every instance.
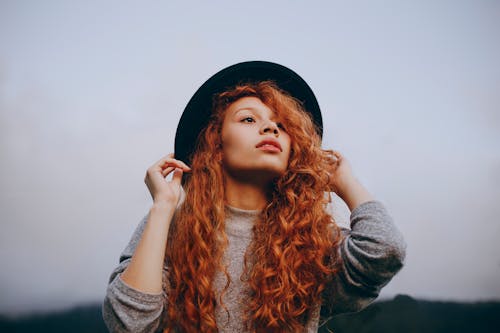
(177, 176)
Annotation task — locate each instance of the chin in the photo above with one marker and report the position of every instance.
(276, 167)
(258, 173)
(271, 171)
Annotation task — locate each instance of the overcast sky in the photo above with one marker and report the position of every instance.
(91, 93)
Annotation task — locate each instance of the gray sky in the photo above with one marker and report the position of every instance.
(91, 92)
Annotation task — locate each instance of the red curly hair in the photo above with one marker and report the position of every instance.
(289, 260)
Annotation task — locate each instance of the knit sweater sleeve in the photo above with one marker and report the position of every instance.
(369, 255)
(126, 309)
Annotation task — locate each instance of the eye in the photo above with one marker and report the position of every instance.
(248, 120)
(281, 126)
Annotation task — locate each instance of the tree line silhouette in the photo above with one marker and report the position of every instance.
(403, 314)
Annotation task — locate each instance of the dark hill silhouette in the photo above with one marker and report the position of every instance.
(403, 314)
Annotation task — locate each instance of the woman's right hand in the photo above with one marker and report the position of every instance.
(163, 191)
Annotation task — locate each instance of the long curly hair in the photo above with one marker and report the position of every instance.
(289, 260)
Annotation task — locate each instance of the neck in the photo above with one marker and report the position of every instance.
(245, 195)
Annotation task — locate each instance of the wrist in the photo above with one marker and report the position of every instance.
(354, 193)
(162, 206)
(345, 184)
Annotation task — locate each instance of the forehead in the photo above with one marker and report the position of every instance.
(250, 103)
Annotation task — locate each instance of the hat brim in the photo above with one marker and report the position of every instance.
(199, 108)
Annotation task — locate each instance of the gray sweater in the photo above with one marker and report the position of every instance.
(372, 252)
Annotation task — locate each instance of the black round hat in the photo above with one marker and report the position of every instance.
(199, 108)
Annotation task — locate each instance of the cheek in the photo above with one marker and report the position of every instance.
(231, 144)
(289, 146)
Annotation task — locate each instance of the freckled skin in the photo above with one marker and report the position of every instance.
(246, 123)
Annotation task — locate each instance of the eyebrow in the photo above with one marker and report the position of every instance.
(254, 110)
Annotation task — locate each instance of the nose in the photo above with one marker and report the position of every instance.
(270, 127)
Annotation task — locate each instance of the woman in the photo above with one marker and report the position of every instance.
(243, 239)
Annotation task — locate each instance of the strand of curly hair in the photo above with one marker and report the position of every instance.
(289, 261)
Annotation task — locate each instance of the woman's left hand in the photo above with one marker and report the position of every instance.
(341, 174)
(343, 182)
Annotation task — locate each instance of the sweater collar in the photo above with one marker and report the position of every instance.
(239, 222)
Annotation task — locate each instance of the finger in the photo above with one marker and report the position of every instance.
(185, 165)
(181, 163)
(332, 157)
(337, 155)
(164, 159)
(167, 171)
(175, 163)
(176, 178)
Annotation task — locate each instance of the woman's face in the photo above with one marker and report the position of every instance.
(254, 143)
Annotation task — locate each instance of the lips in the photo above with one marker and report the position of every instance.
(269, 143)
